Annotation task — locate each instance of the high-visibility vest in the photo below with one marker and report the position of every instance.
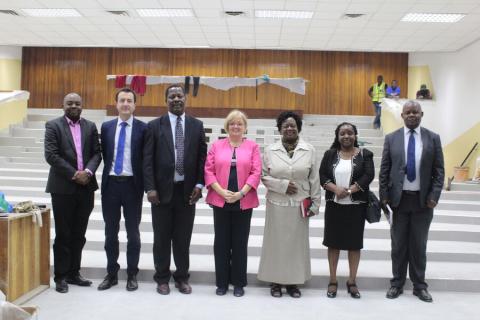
(378, 92)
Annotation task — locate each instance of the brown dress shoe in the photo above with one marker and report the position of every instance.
(163, 288)
(183, 287)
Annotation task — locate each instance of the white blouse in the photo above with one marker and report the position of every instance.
(343, 173)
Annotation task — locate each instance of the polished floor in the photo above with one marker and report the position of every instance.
(145, 303)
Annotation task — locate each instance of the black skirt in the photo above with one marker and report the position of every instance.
(344, 225)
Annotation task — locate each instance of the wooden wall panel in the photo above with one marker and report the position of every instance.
(338, 81)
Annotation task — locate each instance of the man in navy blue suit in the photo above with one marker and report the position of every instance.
(122, 187)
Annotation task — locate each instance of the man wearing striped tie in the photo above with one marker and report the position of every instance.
(122, 187)
(411, 180)
(173, 166)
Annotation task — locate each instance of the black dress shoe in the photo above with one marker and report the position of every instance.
(79, 281)
(352, 289)
(394, 292)
(238, 291)
(183, 287)
(132, 283)
(221, 291)
(108, 282)
(61, 286)
(423, 295)
(163, 288)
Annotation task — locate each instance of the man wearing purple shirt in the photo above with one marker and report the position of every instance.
(73, 152)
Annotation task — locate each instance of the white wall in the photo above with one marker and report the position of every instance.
(455, 77)
(7, 52)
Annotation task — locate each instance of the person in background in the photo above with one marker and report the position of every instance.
(290, 173)
(232, 176)
(423, 93)
(393, 92)
(377, 92)
(345, 173)
(73, 152)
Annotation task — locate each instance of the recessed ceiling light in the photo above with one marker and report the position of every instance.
(283, 14)
(51, 12)
(168, 13)
(433, 17)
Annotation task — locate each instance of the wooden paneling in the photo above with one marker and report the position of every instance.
(338, 81)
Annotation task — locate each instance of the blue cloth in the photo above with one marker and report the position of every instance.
(120, 149)
(391, 91)
(411, 157)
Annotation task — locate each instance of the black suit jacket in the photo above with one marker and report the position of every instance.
(107, 134)
(159, 157)
(363, 173)
(61, 155)
(392, 170)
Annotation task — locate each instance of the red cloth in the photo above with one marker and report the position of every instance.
(120, 82)
(139, 84)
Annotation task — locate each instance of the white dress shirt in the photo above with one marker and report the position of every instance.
(173, 124)
(415, 184)
(127, 151)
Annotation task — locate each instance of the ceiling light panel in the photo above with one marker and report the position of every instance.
(433, 17)
(51, 13)
(283, 14)
(165, 13)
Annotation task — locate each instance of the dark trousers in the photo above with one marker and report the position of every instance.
(409, 234)
(230, 247)
(378, 113)
(122, 194)
(172, 230)
(71, 213)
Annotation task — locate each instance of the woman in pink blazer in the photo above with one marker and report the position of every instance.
(232, 175)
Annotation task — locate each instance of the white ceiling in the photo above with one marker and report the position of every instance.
(379, 30)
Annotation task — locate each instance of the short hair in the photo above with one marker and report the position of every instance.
(336, 143)
(289, 114)
(413, 103)
(127, 90)
(233, 115)
(175, 85)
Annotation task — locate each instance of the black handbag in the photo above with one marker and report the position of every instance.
(373, 212)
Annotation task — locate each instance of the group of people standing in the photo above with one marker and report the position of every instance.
(168, 159)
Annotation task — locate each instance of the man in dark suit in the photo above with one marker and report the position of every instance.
(411, 180)
(73, 152)
(122, 187)
(173, 165)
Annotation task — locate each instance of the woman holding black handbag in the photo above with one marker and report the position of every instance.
(346, 172)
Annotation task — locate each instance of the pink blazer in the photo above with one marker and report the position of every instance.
(249, 169)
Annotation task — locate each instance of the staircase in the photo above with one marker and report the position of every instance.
(454, 240)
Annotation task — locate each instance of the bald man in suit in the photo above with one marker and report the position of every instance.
(411, 180)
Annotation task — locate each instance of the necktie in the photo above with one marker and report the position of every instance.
(179, 146)
(411, 157)
(120, 149)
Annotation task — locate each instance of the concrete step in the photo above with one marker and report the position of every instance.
(372, 274)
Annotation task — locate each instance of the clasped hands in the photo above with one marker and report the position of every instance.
(81, 177)
(344, 192)
(230, 196)
(293, 189)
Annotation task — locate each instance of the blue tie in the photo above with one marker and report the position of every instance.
(120, 149)
(411, 157)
